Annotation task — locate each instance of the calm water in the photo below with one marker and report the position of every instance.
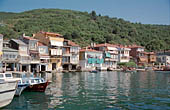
(99, 91)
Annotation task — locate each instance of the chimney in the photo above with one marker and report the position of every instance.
(33, 35)
(23, 35)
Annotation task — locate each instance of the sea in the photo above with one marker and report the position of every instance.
(100, 91)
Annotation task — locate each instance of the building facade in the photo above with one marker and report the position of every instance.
(33, 52)
(70, 59)
(141, 57)
(123, 54)
(10, 59)
(1, 53)
(110, 54)
(44, 57)
(151, 58)
(55, 43)
(24, 58)
(163, 60)
(90, 59)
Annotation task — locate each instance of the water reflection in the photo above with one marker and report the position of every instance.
(29, 101)
(104, 90)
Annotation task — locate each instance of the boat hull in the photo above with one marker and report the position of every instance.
(19, 89)
(7, 92)
(41, 87)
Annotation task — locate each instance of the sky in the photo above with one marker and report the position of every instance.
(143, 11)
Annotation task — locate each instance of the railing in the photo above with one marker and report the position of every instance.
(74, 52)
(74, 61)
(66, 54)
(111, 59)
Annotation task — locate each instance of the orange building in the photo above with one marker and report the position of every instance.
(55, 43)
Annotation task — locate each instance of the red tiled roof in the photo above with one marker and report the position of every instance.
(105, 44)
(89, 50)
(41, 44)
(135, 46)
(111, 45)
(70, 43)
(29, 38)
(51, 33)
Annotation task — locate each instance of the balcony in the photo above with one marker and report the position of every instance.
(67, 54)
(34, 60)
(10, 60)
(111, 59)
(65, 59)
(55, 52)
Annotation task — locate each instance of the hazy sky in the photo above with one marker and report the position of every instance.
(144, 11)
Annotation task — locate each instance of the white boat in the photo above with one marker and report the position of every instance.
(7, 89)
(21, 84)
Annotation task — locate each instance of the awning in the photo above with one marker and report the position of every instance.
(26, 55)
(90, 60)
(56, 43)
(100, 61)
(108, 55)
(111, 48)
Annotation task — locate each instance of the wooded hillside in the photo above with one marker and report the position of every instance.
(83, 27)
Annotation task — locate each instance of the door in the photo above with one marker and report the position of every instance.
(53, 66)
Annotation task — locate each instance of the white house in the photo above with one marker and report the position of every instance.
(90, 59)
(123, 55)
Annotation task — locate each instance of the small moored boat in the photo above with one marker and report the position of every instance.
(94, 71)
(21, 83)
(7, 89)
(30, 82)
(37, 84)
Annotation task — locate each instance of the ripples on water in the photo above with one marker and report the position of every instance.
(99, 91)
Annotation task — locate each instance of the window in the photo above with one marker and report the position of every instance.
(32, 45)
(23, 48)
(41, 50)
(1, 75)
(8, 75)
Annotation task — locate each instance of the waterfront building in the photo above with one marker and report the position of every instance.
(70, 60)
(90, 59)
(138, 54)
(110, 54)
(164, 52)
(10, 59)
(123, 53)
(151, 58)
(1, 53)
(55, 43)
(44, 57)
(32, 51)
(24, 58)
(163, 60)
